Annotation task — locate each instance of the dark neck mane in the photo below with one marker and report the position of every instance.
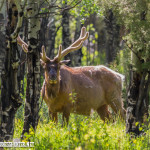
(52, 90)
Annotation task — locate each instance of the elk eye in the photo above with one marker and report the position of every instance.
(48, 68)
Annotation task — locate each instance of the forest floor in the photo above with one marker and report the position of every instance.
(84, 133)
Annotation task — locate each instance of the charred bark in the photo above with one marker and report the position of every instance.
(77, 55)
(137, 110)
(43, 32)
(66, 30)
(138, 95)
(112, 39)
(51, 37)
(10, 98)
(2, 50)
(51, 33)
(23, 58)
(33, 69)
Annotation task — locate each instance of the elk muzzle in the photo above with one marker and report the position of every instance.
(52, 76)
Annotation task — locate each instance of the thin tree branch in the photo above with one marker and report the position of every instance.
(62, 9)
(132, 50)
(57, 30)
(70, 7)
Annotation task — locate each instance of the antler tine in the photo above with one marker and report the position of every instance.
(83, 31)
(43, 55)
(77, 44)
(58, 57)
(22, 44)
(83, 36)
(60, 50)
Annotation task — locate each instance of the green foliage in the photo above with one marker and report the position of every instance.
(18, 128)
(91, 54)
(84, 58)
(44, 10)
(85, 9)
(58, 39)
(84, 133)
(44, 112)
(20, 112)
(134, 17)
(122, 62)
(88, 7)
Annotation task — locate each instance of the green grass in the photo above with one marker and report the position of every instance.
(84, 133)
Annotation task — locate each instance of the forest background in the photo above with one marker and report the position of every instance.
(118, 38)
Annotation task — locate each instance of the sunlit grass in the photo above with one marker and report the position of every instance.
(86, 133)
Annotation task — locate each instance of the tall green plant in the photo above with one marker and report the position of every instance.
(133, 16)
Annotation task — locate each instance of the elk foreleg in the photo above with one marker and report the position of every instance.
(53, 116)
(104, 112)
(66, 114)
(117, 107)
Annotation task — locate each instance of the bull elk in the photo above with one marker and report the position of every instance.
(95, 87)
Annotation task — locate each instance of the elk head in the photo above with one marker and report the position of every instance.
(52, 67)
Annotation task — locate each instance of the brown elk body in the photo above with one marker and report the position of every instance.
(79, 89)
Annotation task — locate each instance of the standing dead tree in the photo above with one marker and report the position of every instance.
(33, 67)
(112, 36)
(10, 99)
(65, 29)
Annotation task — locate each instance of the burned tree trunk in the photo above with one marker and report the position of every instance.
(77, 55)
(66, 30)
(10, 99)
(22, 68)
(137, 110)
(33, 68)
(51, 37)
(138, 95)
(48, 32)
(51, 33)
(112, 39)
(43, 32)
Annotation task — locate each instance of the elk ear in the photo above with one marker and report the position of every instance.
(42, 63)
(64, 62)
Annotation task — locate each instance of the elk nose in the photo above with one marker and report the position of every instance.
(53, 77)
